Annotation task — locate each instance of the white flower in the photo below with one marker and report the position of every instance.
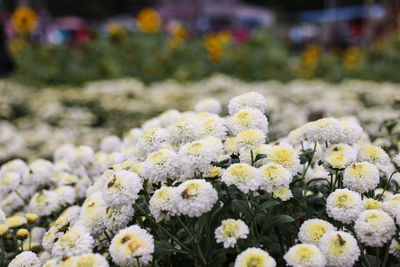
(375, 228)
(284, 156)
(371, 204)
(254, 257)
(283, 194)
(344, 205)
(391, 203)
(361, 177)
(249, 139)
(76, 241)
(18, 166)
(25, 259)
(197, 156)
(183, 131)
(93, 212)
(40, 172)
(352, 132)
(121, 188)
(340, 156)
(151, 141)
(212, 125)
(82, 156)
(339, 248)
(243, 176)
(274, 176)
(210, 105)
(395, 249)
(373, 154)
(110, 144)
(195, 197)
(169, 117)
(230, 231)
(115, 219)
(249, 100)
(246, 119)
(305, 255)
(44, 203)
(66, 195)
(326, 130)
(9, 182)
(230, 146)
(131, 243)
(132, 136)
(245, 156)
(63, 152)
(161, 165)
(396, 160)
(86, 260)
(2, 217)
(312, 230)
(163, 203)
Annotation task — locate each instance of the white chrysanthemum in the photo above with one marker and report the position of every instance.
(375, 228)
(395, 249)
(59, 227)
(93, 212)
(243, 176)
(396, 160)
(249, 139)
(210, 105)
(373, 154)
(40, 172)
(352, 132)
(361, 177)
(99, 164)
(132, 137)
(391, 204)
(339, 248)
(162, 204)
(386, 194)
(326, 130)
(230, 231)
(254, 257)
(284, 156)
(283, 194)
(9, 182)
(249, 100)
(85, 260)
(245, 156)
(214, 126)
(183, 131)
(110, 144)
(169, 117)
(72, 213)
(195, 197)
(76, 241)
(246, 119)
(344, 205)
(25, 259)
(82, 156)
(121, 188)
(230, 146)
(18, 166)
(11, 202)
(132, 243)
(161, 165)
(66, 195)
(312, 230)
(2, 217)
(151, 141)
(294, 137)
(371, 204)
(197, 156)
(50, 263)
(115, 219)
(274, 176)
(63, 152)
(305, 255)
(340, 156)
(44, 203)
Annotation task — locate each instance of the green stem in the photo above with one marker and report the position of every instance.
(3, 253)
(377, 257)
(366, 261)
(309, 162)
(253, 219)
(385, 258)
(386, 185)
(138, 262)
(108, 237)
(252, 157)
(23, 199)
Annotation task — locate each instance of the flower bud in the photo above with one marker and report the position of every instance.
(3, 229)
(22, 234)
(31, 217)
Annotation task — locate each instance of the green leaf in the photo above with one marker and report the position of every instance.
(267, 205)
(281, 219)
(240, 206)
(260, 156)
(306, 156)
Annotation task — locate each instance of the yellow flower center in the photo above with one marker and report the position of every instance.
(255, 260)
(230, 228)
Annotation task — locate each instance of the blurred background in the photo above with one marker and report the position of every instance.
(46, 42)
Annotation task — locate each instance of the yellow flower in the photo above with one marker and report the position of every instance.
(115, 29)
(16, 45)
(31, 217)
(149, 21)
(3, 229)
(24, 19)
(178, 35)
(15, 221)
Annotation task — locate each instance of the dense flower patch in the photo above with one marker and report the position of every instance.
(196, 188)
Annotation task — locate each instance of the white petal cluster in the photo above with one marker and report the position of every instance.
(326, 130)
(249, 139)
(246, 119)
(183, 131)
(312, 230)
(86, 260)
(249, 100)
(375, 228)
(93, 212)
(340, 156)
(245, 177)
(274, 176)
(339, 248)
(25, 259)
(131, 243)
(195, 197)
(161, 165)
(361, 177)
(77, 240)
(44, 203)
(284, 156)
(305, 255)
(352, 132)
(230, 231)
(254, 257)
(151, 141)
(210, 105)
(344, 205)
(117, 218)
(163, 203)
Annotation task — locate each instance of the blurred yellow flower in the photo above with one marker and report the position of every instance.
(16, 45)
(24, 19)
(149, 20)
(115, 29)
(178, 35)
(215, 43)
(309, 60)
(351, 57)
